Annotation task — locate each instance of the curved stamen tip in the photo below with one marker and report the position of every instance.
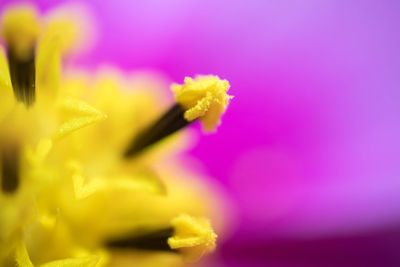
(204, 98)
(193, 237)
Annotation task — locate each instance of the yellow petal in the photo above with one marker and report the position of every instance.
(79, 114)
(5, 82)
(37, 156)
(6, 92)
(21, 256)
(145, 259)
(204, 98)
(66, 29)
(81, 262)
(135, 183)
(71, 26)
(48, 68)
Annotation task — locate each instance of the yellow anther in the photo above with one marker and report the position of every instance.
(194, 237)
(204, 98)
(20, 28)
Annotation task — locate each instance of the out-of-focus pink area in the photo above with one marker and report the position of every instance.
(310, 147)
(310, 143)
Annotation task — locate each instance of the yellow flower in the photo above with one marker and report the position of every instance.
(88, 175)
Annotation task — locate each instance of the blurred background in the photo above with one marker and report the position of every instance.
(309, 149)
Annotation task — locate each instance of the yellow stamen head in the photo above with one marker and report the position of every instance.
(204, 98)
(193, 236)
(20, 28)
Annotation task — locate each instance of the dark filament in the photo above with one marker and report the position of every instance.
(22, 72)
(169, 123)
(9, 169)
(154, 241)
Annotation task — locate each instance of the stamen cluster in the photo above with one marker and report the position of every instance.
(86, 160)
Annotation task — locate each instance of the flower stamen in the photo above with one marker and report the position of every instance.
(153, 241)
(22, 73)
(192, 237)
(171, 122)
(203, 98)
(20, 29)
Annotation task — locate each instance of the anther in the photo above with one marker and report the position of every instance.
(203, 98)
(153, 241)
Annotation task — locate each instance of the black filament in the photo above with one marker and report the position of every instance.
(23, 76)
(172, 121)
(153, 241)
(10, 169)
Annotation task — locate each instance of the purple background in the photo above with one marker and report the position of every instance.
(309, 149)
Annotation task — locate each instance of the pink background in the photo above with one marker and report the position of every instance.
(309, 149)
